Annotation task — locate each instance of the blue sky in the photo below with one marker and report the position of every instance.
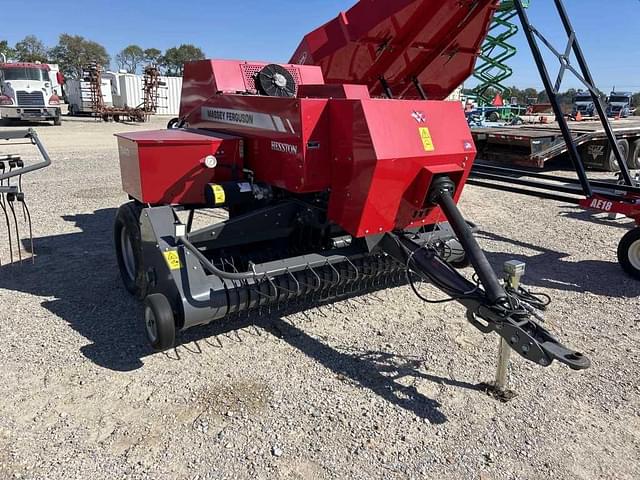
(262, 30)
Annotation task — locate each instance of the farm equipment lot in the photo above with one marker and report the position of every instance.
(380, 386)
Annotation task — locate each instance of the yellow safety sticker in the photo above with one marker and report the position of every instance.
(173, 260)
(219, 197)
(427, 141)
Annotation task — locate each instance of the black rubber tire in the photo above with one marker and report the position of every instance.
(159, 324)
(634, 156)
(57, 121)
(173, 123)
(116, 118)
(628, 257)
(494, 117)
(612, 163)
(127, 226)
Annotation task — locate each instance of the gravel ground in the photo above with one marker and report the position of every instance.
(380, 387)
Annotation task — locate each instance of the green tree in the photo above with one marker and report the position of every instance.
(175, 58)
(6, 50)
(74, 52)
(152, 56)
(130, 58)
(31, 49)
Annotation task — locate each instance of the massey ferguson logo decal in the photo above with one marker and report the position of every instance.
(258, 120)
(284, 148)
(602, 205)
(419, 117)
(226, 116)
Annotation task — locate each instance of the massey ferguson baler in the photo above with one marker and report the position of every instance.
(340, 173)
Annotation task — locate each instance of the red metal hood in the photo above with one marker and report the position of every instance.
(435, 41)
(38, 66)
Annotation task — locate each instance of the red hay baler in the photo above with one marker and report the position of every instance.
(340, 173)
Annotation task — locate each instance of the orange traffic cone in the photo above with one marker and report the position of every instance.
(579, 117)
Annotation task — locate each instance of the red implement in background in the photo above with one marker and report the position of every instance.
(433, 41)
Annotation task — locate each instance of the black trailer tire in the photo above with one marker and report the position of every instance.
(634, 156)
(159, 322)
(128, 244)
(629, 253)
(494, 117)
(612, 164)
(57, 121)
(173, 123)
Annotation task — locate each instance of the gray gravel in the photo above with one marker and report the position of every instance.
(379, 387)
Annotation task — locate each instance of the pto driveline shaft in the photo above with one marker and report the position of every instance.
(495, 292)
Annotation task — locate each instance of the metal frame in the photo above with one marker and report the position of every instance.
(10, 194)
(33, 137)
(626, 193)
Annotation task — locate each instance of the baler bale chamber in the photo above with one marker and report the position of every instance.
(339, 172)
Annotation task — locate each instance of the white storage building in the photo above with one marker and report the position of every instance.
(78, 94)
(127, 91)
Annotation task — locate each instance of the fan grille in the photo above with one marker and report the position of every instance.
(250, 71)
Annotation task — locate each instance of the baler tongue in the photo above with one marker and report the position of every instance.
(508, 310)
(17, 219)
(514, 318)
(406, 45)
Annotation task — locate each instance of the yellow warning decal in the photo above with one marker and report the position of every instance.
(427, 141)
(173, 260)
(219, 197)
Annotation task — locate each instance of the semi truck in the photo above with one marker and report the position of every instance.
(620, 104)
(27, 93)
(583, 104)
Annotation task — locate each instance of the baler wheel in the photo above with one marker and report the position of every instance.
(128, 243)
(463, 263)
(453, 249)
(159, 322)
(629, 253)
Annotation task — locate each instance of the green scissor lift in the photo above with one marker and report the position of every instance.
(492, 69)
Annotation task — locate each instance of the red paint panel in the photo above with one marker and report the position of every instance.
(206, 79)
(381, 172)
(166, 166)
(353, 92)
(287, 139)
(37, 66)
(436, 41)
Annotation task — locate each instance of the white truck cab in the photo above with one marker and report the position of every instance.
(26, 93)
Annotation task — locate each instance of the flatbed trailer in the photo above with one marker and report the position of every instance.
(535, 145)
